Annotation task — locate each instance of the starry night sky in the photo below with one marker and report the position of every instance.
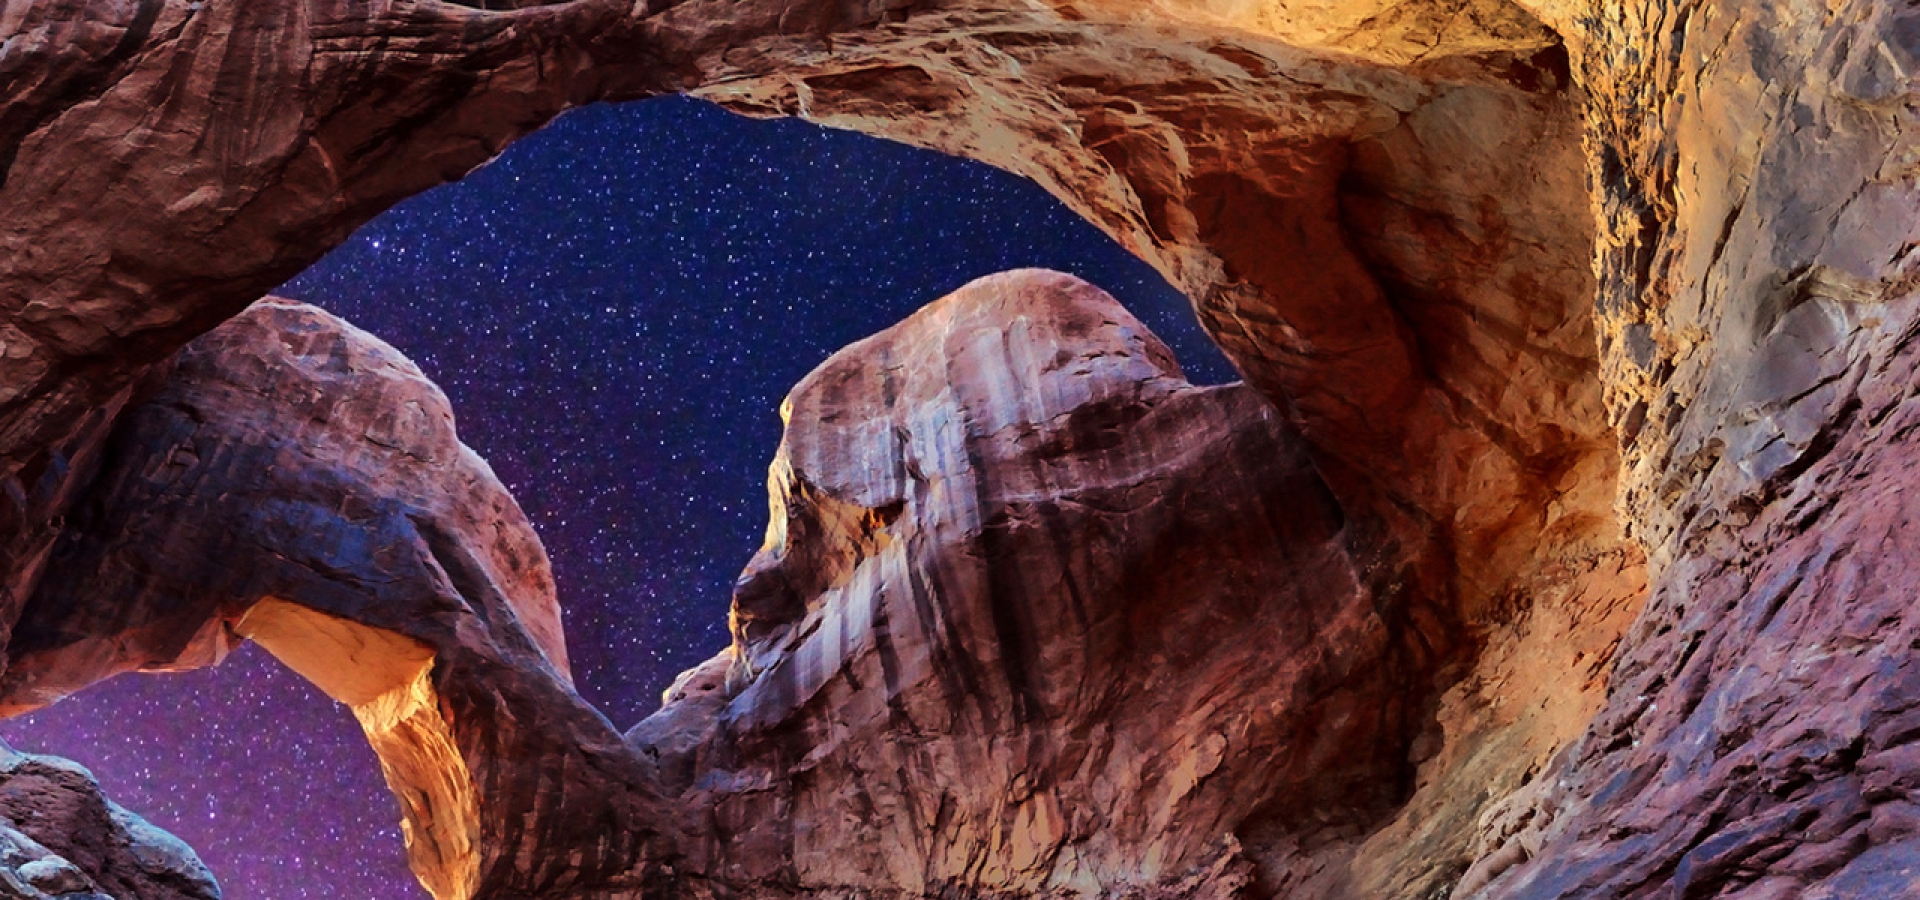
(615, 307)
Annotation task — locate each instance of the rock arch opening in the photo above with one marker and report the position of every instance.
(385, 679)
(1435, 349)
(1750, 162)
(980, 221)
(1376, 346)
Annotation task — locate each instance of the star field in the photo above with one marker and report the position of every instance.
(615, 308)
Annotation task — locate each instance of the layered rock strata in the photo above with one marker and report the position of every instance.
(1036, 616)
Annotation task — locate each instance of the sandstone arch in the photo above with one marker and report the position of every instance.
(1754, 303)
(292, 480)
(387, 680)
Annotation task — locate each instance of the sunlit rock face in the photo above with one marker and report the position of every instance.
(1496, 264)
(60, 838)
(1390, 31)
(1035, 615)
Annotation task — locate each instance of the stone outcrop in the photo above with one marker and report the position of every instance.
(59, 838)
(1756, 184)
(1035, 615)
(981, 601)
(1399, 257)
(1498, 263)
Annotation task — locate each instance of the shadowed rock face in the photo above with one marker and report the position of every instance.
(1487, 279)
(60, 838)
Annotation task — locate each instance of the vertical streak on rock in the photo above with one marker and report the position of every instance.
(425, 769)
(386, 679)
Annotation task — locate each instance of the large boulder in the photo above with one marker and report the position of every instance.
(61, 838)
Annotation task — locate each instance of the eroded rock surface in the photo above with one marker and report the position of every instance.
(1755, 172)
(1400, 258)
(1397, 256)
(59, 838)
(1035, 615)
(1469, 339)
(293, 480)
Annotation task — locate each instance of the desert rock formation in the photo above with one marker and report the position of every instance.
(1034, 615)
(1569, 306)
(1755, 189)
(292, 480)
(60, 838)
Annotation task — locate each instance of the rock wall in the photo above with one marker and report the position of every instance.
(1754, 167)
(1489, 279)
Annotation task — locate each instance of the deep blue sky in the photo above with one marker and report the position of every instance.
(615, 307)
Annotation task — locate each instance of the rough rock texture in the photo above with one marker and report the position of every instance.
(1399, 257)
(293, 480)
(1394, 31)
(1035, 615)
(1474, 344)
(59, 838)
(1756, 170)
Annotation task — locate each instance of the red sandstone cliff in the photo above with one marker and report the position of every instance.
(1543, 289)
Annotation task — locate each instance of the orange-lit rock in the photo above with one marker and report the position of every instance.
(1757, 307)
